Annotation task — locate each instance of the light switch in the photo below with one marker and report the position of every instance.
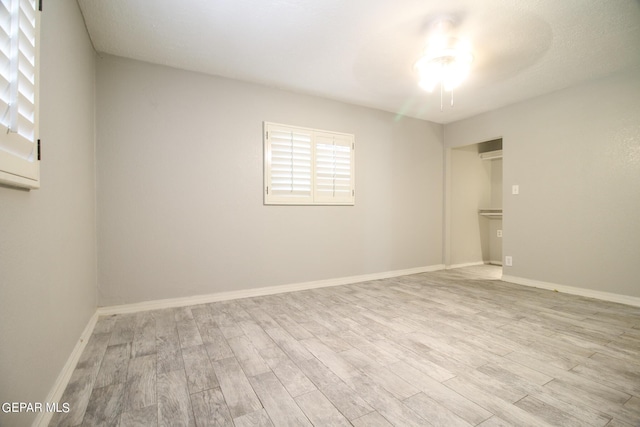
(515, 189)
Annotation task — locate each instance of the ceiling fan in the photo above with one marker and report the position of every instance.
(446, 61)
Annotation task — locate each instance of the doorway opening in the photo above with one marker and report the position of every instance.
(475, 205)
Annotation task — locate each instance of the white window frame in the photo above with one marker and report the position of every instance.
(19, 88)
(321, 169)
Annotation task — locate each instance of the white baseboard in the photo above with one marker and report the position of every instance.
(61, 382)
(256, 292)
(466, 264)
(589, 293)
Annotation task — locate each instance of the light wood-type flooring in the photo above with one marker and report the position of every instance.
(449, 348)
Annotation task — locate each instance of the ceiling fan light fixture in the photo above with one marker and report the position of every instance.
(448, 65)
(446, 61)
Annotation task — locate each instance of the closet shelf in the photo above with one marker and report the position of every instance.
(491, 155)
(491, 213)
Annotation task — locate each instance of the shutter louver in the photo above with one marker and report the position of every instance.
(5, 61)
(18, 92)
(25, 125)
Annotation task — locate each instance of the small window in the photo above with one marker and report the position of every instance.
(308, 166)
(19, 158)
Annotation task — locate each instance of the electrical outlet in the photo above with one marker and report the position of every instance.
(508, 261)
(515, 189)
(499, 233)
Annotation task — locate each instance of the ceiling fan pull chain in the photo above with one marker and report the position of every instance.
(452, 98)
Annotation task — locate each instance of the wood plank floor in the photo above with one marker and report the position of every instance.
(449, 348)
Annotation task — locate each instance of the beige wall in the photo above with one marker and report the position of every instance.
(47, 236)
(575, 154)
(180, 174)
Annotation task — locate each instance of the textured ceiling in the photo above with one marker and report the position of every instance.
(363, 51)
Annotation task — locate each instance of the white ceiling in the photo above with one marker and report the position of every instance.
(363, 51)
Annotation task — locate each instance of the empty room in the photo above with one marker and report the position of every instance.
(320, 212)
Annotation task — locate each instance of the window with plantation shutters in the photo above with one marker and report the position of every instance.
(308, 166)
(19, 162)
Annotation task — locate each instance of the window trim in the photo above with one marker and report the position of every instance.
(19, 170)
(314, 198)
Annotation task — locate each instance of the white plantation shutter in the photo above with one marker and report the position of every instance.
(18, 93)
(306, 166)
(334, 168)
(289, 164)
